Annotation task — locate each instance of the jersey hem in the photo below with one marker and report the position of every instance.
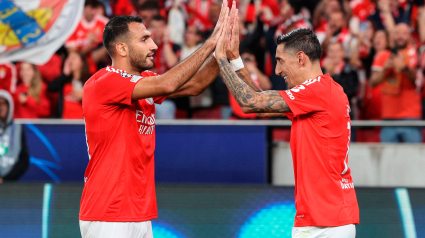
(119, 219)
(332, 224)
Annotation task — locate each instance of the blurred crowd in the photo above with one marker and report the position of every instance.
(374, 48)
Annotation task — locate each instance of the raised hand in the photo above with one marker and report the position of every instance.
(220, 23)
(232, 52)
(223, 41)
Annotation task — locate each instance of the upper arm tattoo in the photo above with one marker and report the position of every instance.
(265, 101)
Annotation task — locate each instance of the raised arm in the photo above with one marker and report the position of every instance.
(248, 99)
(209, 70)
(232, 51)
(200, 81)
(171, 81)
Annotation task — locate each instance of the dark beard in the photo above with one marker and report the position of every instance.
(139, 61)
(400, 47)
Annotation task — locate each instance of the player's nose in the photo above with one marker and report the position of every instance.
(277, 70)
(153, 47)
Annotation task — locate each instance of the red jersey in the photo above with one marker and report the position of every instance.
(80, 38)
(32, 108)
(119, 179)
(72, 107)
(400, 96)
(320, 141)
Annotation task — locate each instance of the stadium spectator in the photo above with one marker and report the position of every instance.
(292, 15)
(177, 22)
(168, 53)
(51, 69)
(192, 41)
(30, 96)
(147, 10)
(396, 71)
(341, 71)
(388, 14)
(87, 37)
(124, 7)
(257, 77)
(8, 77)
(362, 55)
(14, 158)
(322, 13)
(371, 102)
(166, 57)
(70, 86)
(336, 31)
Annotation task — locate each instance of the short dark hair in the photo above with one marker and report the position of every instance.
(116, 28)
(302, 40)
(159, 18)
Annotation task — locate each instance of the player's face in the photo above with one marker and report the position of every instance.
(287, 66)
(141, 47)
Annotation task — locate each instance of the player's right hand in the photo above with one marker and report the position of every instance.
(220, 23)
(232, 52)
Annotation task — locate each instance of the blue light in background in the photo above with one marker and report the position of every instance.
(274, 220)
(164, 232)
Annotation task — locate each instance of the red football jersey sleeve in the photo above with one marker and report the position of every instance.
(116, 88)
(305, 98)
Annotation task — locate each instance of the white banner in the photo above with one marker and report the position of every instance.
(33, 30)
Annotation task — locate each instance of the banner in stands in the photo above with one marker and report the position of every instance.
(35, 29)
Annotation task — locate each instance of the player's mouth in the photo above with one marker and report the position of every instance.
(150, 56)
(285, 78)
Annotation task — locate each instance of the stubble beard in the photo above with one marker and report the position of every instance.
(139, 61)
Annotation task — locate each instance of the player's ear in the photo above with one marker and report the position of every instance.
(301, 57)
(122, 49)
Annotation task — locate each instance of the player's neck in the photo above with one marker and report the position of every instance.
(312, 72)
(125, 66)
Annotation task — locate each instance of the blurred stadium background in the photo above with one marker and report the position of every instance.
(218, 173)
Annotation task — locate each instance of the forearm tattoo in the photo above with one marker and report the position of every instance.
(248, 81)
(265, 101)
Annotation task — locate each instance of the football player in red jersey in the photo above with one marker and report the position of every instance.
(119, 198)
(325, 199)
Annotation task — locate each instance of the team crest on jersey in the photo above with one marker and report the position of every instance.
(126, 75)
(149, 100)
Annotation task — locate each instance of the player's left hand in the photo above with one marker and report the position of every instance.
(232, 52)
(223, 41)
